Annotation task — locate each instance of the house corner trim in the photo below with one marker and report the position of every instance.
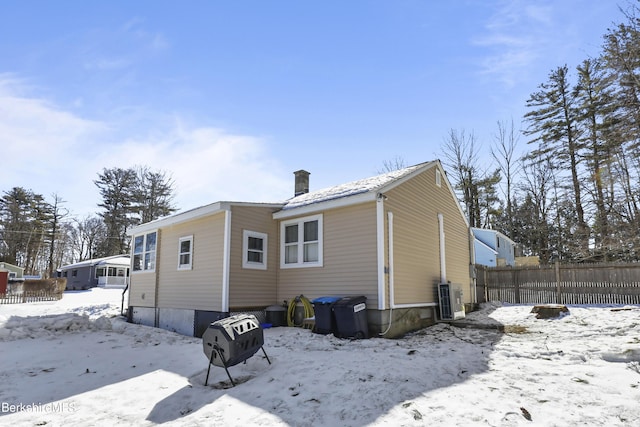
(226, 260)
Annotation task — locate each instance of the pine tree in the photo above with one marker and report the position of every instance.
(117, 187)
(153, 195)
(595, 109)
(553, 126)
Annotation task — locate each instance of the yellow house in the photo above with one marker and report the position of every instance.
(392, 238)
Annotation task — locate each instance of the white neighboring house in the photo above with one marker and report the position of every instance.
(108, 272)
(493, 248)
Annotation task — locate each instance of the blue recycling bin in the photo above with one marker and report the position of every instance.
(323, 310)
(351, 317)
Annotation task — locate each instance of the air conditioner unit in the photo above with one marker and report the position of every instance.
(451, 305)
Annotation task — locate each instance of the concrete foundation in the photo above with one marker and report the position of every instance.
(143, 315)
(381, 323)
(402, 320)
(177, 320)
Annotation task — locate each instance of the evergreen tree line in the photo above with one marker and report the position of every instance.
(575, 195)
(41, 235)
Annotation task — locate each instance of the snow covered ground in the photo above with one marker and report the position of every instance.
(76, 362)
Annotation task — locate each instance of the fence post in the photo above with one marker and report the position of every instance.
(486, 285)
(516, 283)
(558, 293)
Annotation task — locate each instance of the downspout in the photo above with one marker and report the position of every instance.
(472, 267)
(390, 271)
(380, 247)
(226, 260)
(383, 270)
(443, 263)
(391, 266)
(157, 276)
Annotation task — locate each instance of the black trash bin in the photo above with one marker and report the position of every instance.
(276, 315)
(325, 319)
(351, 317)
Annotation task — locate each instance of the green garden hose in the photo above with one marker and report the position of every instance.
(308, 309)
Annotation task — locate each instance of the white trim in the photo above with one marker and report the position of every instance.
(438, 178)
(453, 193)
(443, 262)
(198, 212)
(398, 181)
(311, 208)
(392, 296)
(300, 222)
(380, 250)
(190, 240)
(245, 249)
(226, 260)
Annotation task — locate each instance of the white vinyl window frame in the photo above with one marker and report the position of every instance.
(254, 250)
(438, 178)
(144, 252)
(301, 242)
(185, 253)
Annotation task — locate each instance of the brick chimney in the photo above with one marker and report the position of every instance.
(302, 182)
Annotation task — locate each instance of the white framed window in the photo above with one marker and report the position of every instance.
(185, 253)
(254, 250)
(438, 178)
(144, 252)
(301, 242)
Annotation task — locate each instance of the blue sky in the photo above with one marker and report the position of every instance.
(231, 97)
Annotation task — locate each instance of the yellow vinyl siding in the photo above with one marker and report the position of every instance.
(415, 205)
(251, 287)
(350, 258)
(142, 289)
(201, 287)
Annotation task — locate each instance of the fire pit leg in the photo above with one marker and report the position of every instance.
(209, 369)
(219, 350)
(265, 355)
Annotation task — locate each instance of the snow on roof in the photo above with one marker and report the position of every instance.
(350, 188)
(112, 260)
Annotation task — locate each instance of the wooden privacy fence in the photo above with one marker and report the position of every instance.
(560, 284)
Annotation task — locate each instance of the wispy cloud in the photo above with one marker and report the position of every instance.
(107, 49)
(155, 41)
(210, 164)
(106, 64)
(32, 126)
(50, 150)
(515, 37)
